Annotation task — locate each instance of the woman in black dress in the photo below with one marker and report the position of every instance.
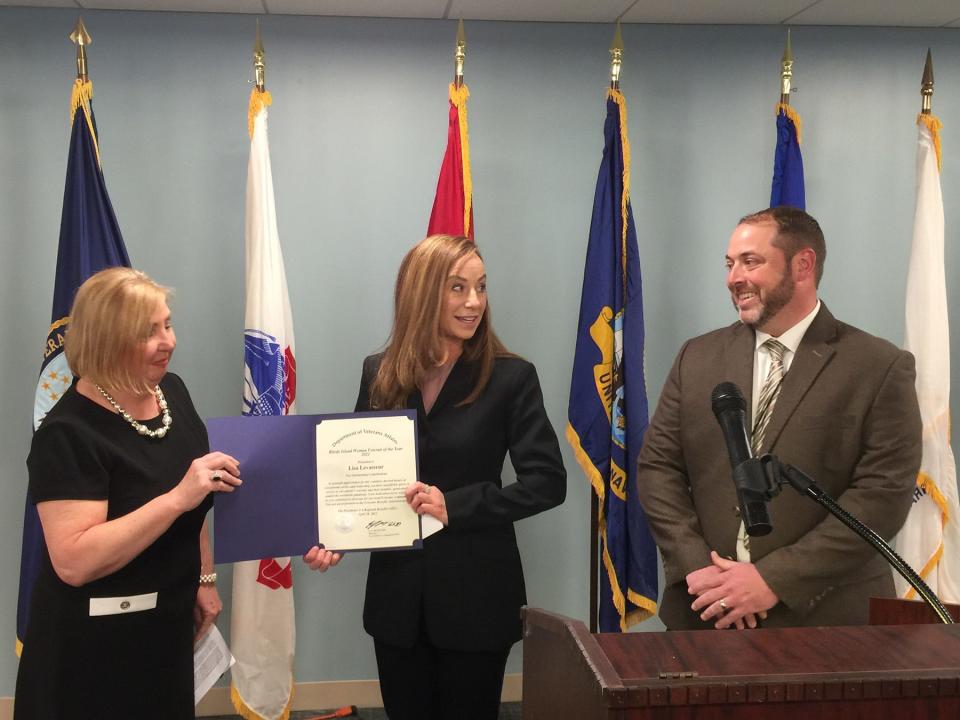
(121, 474)
(443, 618)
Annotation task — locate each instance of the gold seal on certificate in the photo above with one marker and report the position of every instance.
(364, 463)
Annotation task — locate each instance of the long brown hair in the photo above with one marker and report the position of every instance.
(416, 345)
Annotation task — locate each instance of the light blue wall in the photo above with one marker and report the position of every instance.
(357, 131)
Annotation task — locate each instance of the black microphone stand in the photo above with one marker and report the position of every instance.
(778, 473)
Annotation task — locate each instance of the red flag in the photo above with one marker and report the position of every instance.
(453, 206)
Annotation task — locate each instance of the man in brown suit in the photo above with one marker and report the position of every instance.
(845, 413)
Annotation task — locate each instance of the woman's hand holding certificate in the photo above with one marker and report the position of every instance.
(427, 500)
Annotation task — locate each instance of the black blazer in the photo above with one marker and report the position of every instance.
(467, 582)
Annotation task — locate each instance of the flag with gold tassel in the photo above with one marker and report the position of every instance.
(930, 538)
(262, 630)
(608, 398)
(90, 241)
(452, 212)
(787, 188)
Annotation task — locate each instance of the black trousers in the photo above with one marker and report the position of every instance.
(428, 683)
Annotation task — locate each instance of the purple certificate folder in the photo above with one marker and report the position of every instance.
(274, 512)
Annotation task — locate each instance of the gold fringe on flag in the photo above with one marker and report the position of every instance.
(458, 96)
(793, 115)
(80, 97)
(621, 102)
(646, 608)
(924, 481)
(259, 99)
(934, 126)
(243, 710)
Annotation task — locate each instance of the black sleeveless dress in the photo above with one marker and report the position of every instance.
(129, 664)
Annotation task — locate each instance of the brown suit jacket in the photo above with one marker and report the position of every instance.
(847, 415)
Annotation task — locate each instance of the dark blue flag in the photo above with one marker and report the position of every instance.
(90, 241)
(787, 186)
(608, 397)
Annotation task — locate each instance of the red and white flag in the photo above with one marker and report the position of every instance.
(262, 632)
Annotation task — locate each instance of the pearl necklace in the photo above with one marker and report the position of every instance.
(140, 427)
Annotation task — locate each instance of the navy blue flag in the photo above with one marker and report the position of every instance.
(608, 398)
(90, 241)
(787, 188)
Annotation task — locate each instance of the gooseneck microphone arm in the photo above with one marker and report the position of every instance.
(779, 473)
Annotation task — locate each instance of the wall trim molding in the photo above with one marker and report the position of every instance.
(312, 696)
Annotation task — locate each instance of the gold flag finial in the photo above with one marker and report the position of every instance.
(460, 55)
(786, 72)
(616, 58)
(81, 38)
(926, 86)
(258, 65)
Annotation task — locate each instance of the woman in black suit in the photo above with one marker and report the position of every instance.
(443, 618)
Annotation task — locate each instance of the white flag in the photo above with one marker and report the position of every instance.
(930, 539)
(262, 632)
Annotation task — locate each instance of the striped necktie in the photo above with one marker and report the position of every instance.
(769, 393)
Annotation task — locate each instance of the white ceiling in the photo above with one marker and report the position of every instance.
(897, 13)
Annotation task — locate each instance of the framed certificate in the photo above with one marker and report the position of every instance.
(333, 480)
(364, 463)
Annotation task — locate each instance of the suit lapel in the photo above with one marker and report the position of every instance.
(812, 356)
(455, 388)
(739, 363)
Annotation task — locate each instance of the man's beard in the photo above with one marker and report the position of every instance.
(775, 300)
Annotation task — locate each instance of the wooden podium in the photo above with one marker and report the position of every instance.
(870, 672)
(894, 611)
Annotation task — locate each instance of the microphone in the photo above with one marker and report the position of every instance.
(749, 477)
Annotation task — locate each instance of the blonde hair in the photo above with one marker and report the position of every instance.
(110, 318)
(416, 344)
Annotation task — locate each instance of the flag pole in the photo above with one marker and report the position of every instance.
(259, 68)
(616, 58)
(786, 72)
(459, 55)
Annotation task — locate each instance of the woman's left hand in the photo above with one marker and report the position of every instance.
(205, 611)
(320, 559)
(427, 500)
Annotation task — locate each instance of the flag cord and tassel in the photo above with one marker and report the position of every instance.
(80, 97)
(794, 117)
(933, 124)
(458, 97)
(259, 99)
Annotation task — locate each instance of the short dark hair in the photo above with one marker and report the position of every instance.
(796, 230)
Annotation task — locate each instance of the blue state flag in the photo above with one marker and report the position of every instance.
(787, 188)
(608, 398)
(90, 241)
